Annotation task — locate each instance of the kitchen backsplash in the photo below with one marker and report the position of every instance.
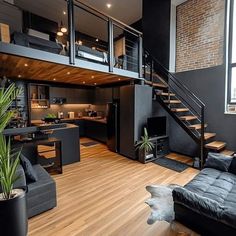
(37, 114)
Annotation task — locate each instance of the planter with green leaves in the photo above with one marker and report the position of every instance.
(145, 148)
(13, 213)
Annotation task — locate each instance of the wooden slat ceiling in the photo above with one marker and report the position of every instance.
(30, 69)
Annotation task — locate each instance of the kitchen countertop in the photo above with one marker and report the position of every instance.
(35, 128)
(96, 119)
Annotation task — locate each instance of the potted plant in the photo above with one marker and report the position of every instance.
(13, 214)
(145, 148)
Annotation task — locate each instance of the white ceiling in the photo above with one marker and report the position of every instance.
(53, 9)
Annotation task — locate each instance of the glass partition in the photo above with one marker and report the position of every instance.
(91, 36)
(126, 46)
(40, 24)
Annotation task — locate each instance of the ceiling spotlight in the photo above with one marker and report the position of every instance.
(64, 12)
(83, 82)
(54, 79)
(119, 79)
(97, 40)
(92, 77)
(95, 83)
(68, 73)
(108, 5)
(26, 65)
(19, 76)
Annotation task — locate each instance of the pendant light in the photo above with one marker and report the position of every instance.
(63, 28)
(59, 33)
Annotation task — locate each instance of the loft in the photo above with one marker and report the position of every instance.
(110, 54)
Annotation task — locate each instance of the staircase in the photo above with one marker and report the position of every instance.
(183, 105)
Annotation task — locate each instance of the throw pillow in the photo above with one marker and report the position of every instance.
(30, 173)
(232, 168)
(218, 161)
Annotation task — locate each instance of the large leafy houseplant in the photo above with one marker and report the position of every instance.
(145, 146)
(13, 212)
(9, 159)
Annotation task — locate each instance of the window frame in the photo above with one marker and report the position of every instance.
(230, 47)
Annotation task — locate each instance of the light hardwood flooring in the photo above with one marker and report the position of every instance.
(105, 194)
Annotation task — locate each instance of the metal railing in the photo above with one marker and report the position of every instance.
(133, 62)
(189, 99)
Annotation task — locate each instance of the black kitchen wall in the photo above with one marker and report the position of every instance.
(156, 29)
(11, 15)
(209, 85)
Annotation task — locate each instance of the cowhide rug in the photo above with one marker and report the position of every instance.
(161, 203)
(162, 209)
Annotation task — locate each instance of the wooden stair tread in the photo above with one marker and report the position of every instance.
(209, 135)
(216, 145)
(227, 152)
(179, 109)
(153, 84)
(159, 85)
(166, 94)
(197, 126)
(188, 118)
(172, 101)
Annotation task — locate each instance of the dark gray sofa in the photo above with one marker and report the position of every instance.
(207, 204)
(41, 195)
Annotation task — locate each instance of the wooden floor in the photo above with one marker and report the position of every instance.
(103, 195)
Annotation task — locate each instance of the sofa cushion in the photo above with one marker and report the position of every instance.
(232, 168)
(30, 174)
(21, 180)
(211, 192)
(218, 161)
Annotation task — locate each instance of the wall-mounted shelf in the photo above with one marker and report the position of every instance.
(39, 96)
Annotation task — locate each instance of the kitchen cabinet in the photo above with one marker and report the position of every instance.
(133, 98)
(39, 96)
(81, 125)
(96, 130)
(103, 95)
(73, 96)
(116, 93)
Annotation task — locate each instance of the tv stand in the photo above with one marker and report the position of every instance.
(161, 148)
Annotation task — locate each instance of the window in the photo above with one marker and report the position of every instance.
(232, 54)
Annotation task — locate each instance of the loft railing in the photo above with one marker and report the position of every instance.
(120, 43)
(129, 56)
(189, 99)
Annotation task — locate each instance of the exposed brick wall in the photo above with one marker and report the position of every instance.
(199, 34)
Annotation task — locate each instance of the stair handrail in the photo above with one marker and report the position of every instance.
(176, 81)
(191, 95)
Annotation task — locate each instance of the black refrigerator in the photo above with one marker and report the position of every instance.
(113, 126)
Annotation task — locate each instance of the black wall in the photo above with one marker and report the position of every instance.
(209, 85)
(156, 29)
(11, 15)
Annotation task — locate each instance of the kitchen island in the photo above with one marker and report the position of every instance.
(91, 127)
(68, 134)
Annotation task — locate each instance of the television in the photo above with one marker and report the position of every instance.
(156, 126)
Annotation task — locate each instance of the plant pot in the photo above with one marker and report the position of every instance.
(13, 215)
(145, 156)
